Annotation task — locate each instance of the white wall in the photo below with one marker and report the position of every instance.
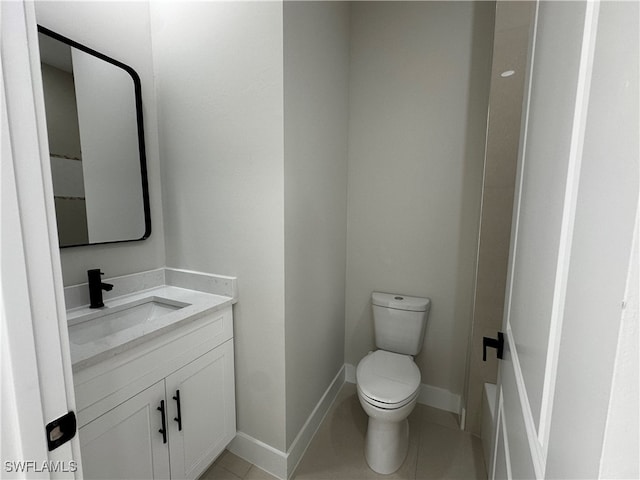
(120, 30)
(622, 432)
(316, 87)
(419, 89)
(219, 68)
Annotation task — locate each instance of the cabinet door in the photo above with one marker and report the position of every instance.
(207, 411)
(125, 443)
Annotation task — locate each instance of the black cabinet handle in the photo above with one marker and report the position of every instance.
(497, 343)
(179, 417)
(163, 430)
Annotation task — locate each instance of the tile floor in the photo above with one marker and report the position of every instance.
(438, 449)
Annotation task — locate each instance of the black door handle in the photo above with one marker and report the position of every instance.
(497, 343)
(163, 430)
(179, 417)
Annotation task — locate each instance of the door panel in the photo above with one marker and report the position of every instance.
(207, 411)
(544, 166)
(520, 434)
(606, 205)
(547, 182)
(124, 443)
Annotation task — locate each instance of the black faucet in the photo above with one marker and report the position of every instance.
(95, 288)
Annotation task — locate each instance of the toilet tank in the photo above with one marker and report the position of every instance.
(399, 322)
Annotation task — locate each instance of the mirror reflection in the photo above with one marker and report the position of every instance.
(96, 144)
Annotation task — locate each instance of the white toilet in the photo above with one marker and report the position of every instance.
(388, 380)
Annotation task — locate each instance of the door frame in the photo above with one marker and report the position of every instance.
(36, 367)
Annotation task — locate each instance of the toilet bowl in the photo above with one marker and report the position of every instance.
(388, 385)
(388, 380)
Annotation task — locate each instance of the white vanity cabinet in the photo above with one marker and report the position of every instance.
(122, 402)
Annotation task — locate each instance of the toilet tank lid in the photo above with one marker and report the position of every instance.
(400, 302)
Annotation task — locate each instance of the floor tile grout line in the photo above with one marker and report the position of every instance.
(232, 473)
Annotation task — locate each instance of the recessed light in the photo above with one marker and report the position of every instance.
(507, 73)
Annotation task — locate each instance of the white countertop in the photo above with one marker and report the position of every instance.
(90, 353)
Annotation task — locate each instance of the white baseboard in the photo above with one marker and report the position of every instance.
(439, 398)
(266, 457)
(309, 429)
(282, 465)
(276, 462)
(429, 395)
(350, 373)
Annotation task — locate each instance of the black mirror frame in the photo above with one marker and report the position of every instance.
(140, 122)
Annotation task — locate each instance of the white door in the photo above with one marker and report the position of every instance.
(575, 205)
(126, 442)
(205, 422)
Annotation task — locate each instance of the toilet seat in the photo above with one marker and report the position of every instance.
(388, 380)
(387, 406)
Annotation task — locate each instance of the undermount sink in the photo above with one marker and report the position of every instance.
(108, 321)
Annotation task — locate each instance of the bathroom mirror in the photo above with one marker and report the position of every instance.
(96, 144)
